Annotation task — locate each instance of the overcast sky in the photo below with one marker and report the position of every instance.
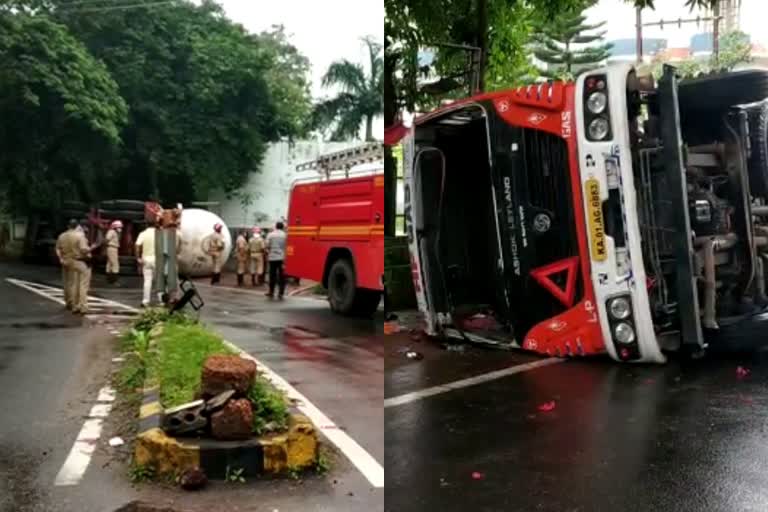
(621, 20)
(323, 30)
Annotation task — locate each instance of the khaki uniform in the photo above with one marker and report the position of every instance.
(241, 253)
(66, 257)
(256, 249)
(112, 241)
(75, 251)
(214, 246)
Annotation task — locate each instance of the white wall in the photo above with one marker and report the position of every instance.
(270, 188)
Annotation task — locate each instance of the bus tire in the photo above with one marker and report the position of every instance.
(342, 287)
(720, 91)
(758, 158)
(366, 302)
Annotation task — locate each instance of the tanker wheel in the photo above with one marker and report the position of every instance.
(342, 287)
(366, 302)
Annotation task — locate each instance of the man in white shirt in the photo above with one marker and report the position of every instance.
(145, 256)
(276, 256)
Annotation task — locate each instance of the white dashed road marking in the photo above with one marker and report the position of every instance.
(463, 383)
(101, 309)
(80, 455)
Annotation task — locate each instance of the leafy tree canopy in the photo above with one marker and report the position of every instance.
(62, 113)
(360, 98)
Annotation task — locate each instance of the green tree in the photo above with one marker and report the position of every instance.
(198, 87)
(62, 114)
(735, 49)
(360, 97)
(564, 44)
(288, 79)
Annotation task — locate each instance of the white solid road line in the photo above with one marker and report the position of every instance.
(259, 293)
(471, 381)
(79, 457)
(368, 466)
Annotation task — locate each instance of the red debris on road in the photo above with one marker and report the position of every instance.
(547, 406)
(476, 475)
(741, 372)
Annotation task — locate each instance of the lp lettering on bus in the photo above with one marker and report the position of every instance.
(407, 214)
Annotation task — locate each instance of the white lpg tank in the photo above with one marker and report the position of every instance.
(196, 225)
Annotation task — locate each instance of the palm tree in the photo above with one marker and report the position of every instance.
(360, 97)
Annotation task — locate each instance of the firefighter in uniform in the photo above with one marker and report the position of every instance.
(214, 246)
(112, 241)
(241, 253)
(63, 251)
(256, 250)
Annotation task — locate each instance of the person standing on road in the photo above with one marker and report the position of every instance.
(145, 256)
(256, 251)
(214, 245)
(276, 256)
(241, 253)
(66, 257)
(112, 241)
(78, 247)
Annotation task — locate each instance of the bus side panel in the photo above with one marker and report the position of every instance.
(303, 259)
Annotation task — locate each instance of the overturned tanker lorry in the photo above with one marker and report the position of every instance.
(611, 215)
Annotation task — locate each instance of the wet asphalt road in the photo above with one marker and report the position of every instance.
(687, 436)
(337, 365)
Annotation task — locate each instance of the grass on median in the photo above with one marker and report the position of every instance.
(175, 362)
(182, 349)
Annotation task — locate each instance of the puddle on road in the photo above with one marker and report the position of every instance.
(136, 506)
(38, 325)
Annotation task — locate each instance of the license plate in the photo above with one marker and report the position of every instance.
(595, 220)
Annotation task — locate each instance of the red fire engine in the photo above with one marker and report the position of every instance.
(336, 229)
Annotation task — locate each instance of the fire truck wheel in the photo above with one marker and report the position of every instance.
(366, 302)
(342, 287)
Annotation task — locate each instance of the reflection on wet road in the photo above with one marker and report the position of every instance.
(685, 436)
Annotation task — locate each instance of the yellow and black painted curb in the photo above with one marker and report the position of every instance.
(272, 454)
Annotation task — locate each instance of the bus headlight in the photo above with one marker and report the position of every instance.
(598, 128)
(623, 333)
(620, 308)
(596, 102)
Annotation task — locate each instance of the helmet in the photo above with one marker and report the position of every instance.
(116, 225)
(256, 230)
(217, 227)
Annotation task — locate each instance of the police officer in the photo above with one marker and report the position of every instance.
(256, 249)
(66, 257)
(112, 241)
(78, 247)
(241, 253)
(214, 246)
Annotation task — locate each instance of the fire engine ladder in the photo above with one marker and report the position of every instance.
(345, 160)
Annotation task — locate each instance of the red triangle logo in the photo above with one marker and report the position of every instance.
(543, 276)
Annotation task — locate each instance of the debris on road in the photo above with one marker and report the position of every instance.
(412, 354)
(547, 406)
(193, 479)
(476, 475)
(391, 327)
(741, 372)
(455, 347)
(185, 418)
(116, 441)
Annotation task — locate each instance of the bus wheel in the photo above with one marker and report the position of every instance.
(342, 287)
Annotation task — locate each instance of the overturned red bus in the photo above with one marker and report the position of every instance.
(610, 215)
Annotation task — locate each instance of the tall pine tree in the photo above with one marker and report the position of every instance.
(564, 44)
